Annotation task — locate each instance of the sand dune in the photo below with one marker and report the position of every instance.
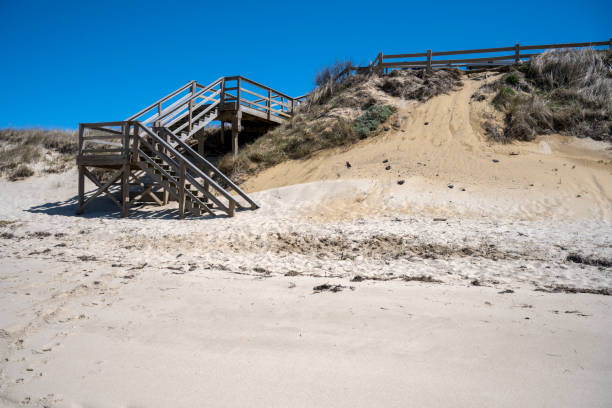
(530, 180)
(450, 296)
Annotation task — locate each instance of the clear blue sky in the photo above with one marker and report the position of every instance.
(65, 62)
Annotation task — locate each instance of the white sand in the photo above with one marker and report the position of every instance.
(154, 311)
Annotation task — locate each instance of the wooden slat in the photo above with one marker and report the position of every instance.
(571, 45)
(89, 151)
(394, 56)
(250, 81)
(102, 124)
(457, 61)
(254, 94)
(165, 98)
(102, 137)
(99, 141)
(117, 132)
(477, 51)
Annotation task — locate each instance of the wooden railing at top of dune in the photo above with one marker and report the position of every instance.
(383, 63)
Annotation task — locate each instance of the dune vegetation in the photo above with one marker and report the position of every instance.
(339, 112)
(22, 151)
(567, 92)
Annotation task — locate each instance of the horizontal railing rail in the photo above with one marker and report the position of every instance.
(102, 138)
(188, 103)
(383, 62)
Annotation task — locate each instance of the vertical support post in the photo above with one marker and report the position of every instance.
(159, 110)
(181, 190)
(380, 61)
(269, 103)
(125, 189)
(222, 94)
(81, 173)
(201, 142)
(166, 197)
(125, 174)
(232, 208)
(517, 53)
(428, 60)
(193, 90)
(222, 135)
(81, 189)
(81, 134)
(238, 83)
(235, 130)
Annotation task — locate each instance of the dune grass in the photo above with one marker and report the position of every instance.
(20, 149)
(567, 92)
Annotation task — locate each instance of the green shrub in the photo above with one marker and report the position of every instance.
(512, 79)
(524, 67)
(504, 97)
(372, 118)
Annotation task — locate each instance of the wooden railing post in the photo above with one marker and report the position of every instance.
(181, 189)
(428, 60)
(222, 94)
(517, 53)
(269, 103)
(380, 61)
(81, 134)
(238, 83)
(193, 91)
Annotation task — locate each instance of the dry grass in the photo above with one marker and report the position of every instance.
(420, 85)
(22, 171)
(22, 148)
(567, 92)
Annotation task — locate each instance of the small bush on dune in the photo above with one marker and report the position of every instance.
(527, 118)
(503, 97)
(329, 84)
(372, 118)
(21, 172)
(512, 79)
(331, 72)
(420, 85)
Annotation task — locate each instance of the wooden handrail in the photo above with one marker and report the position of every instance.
(165, 98)
(210, 167)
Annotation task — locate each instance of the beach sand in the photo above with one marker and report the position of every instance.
(447, 296)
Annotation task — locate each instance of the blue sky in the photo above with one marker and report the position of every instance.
(65, 62)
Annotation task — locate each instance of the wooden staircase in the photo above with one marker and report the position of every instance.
(153, 160)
